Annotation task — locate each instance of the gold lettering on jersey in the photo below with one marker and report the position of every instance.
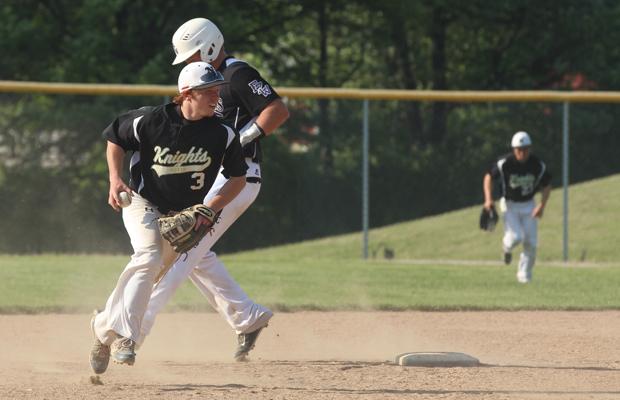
(167, 163)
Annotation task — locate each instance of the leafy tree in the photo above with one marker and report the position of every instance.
(426, 157)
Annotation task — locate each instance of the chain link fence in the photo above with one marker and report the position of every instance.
(422, 160)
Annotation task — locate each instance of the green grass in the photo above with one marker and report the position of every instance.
(34, 284)
(327, 274)
(593, 233)
(378, 285)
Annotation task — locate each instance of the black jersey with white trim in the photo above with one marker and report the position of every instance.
(520, 180)
(243, 99)
(175, 161)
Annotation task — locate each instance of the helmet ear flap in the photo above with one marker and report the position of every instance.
(212, 45)
(207, 53)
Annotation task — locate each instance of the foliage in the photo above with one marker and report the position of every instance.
(426, 158)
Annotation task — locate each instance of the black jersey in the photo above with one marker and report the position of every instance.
(520, 180)
(243, 99)
(175, 161)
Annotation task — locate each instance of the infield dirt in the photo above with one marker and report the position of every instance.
(317, 355)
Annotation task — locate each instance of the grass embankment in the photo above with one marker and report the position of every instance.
(328, 274)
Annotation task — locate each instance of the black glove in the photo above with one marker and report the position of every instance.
(488, 219)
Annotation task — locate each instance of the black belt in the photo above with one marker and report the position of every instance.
(252, 179)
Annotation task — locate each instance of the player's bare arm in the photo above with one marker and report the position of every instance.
(274, 115)
(227, 193)
(540, 208)
(267, 121)
(115, 155)
(486, 187)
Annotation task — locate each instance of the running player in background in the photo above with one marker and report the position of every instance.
(251, 105)
(521, 175)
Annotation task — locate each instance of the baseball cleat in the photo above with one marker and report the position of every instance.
(507, 258)
(522, 279)
(100, 353)
(123, 351)
(247, 341)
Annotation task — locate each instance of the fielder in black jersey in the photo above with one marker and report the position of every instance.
(175, 161)
(521, 176)
(178, 152)
(249, 104)
(520, 180)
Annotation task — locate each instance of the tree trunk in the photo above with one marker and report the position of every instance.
(414, 117)
(325, 134)
(438, 37)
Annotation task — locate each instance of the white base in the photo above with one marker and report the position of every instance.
(437, 359)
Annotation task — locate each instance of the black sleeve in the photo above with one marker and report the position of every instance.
(545, 180)
(494, 170)
(234, 161)
(251, 90)
(121, 130)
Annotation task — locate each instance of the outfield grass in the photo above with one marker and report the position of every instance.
(593, 233)
(328, 273)
(56, 283)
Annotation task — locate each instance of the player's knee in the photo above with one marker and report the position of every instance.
(513, 239)
(207, 261)
(530, 246)
(148, 259)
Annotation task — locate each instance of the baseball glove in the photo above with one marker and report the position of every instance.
(488, 219)
(178, 228)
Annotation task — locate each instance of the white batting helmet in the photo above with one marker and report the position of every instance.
(197, 34)
(521, 139)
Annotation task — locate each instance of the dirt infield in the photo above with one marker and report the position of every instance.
(313, 355)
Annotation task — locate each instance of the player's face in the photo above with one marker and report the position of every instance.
(206, 100)
(194, 58)
(521, 153)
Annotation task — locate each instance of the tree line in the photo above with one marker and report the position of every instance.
(426, 157)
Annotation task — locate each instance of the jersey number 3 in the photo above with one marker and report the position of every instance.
(200, 180)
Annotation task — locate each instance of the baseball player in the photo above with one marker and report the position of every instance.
(251, 105)
(178, 151)
(521, 175)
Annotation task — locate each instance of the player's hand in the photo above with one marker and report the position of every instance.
(200, 221)
(488, 205)
(116, 186)
(538, 211)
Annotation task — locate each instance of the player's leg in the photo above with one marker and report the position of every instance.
(211, 277)
(214, 281)
(245, 316)
(242, 313)
(513, 231)
(163, 291)
(173, 274)
(530, 244)
(176, 275)
(121, 318)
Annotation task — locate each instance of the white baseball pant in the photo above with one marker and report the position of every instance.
(209, 274)
(521, 227)
(127, 304)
